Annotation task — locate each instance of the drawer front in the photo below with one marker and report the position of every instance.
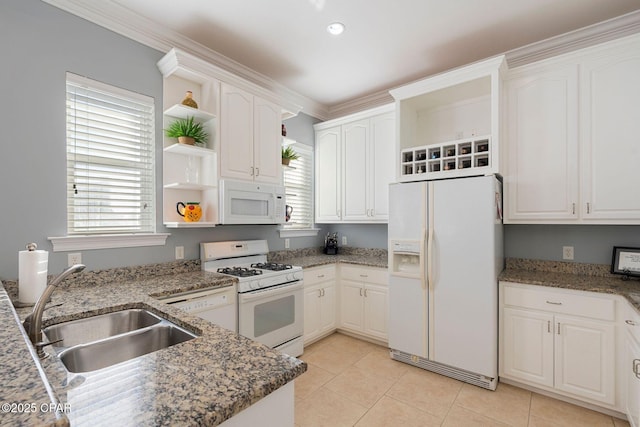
(319, 274)
(573, 303)
(378, 276)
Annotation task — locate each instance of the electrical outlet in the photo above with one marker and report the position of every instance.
(179, 252)
(567, 252)
(286, 243)
(73, 259)
(344, 240)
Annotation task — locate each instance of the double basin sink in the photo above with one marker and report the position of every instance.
(97, 342)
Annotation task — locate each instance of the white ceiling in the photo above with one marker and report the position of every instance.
(386, 43)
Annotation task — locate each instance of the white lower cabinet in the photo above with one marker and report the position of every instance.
(559, 340)
(364, 301)
(631, 366)
(319, 302)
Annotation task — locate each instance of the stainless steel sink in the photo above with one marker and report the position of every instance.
(99, 327)
(97, 342)
(107, 352)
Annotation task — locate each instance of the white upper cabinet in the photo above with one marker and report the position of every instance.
(354, 166)
(610, 139)
(355, 150)
(572, 128)
(542, 112)
(250, 137)
(328, 175)
(382, 157)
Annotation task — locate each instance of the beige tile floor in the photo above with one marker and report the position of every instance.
(354, 383)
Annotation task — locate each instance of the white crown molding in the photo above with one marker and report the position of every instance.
(149, 33)
(363, 103)
(124, 22)
(601, 32)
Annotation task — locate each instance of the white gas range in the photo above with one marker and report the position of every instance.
(270, 295)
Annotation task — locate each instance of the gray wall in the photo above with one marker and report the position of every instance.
(40, 43)
(592, 243)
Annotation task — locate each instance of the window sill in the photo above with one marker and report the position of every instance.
(107, 241)
(298, 232)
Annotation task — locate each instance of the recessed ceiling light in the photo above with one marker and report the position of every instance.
(335, 28)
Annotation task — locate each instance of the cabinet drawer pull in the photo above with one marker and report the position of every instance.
(630, 322)
(319, 293)
(573, 208)
(635, 367)
(252, 170)
(554, 303)
(364, 275)
(320, 276)
(588, 207)
(360, 291)
(257, 171)
(365, 293)
(322, 291)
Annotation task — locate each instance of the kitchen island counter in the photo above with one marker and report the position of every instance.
(204, 381)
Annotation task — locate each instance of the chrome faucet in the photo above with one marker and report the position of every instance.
(33, 323)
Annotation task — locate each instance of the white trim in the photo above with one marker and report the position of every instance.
(107, 241)
(300, 232)
(123, 21)
(356, 116)
(591, 35)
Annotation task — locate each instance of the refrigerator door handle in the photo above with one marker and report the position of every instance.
(431, 222)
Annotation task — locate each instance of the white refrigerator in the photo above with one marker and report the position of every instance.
(445, 255)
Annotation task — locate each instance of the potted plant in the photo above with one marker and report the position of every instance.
(187, 131)
(288, 154)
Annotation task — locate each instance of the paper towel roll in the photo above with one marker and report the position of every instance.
(32, 274)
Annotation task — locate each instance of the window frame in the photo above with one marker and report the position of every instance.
(290, 230)
(147, 236)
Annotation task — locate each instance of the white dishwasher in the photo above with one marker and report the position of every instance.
(217, 305)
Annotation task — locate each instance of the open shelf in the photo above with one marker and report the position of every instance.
(188, 186)
(183, 224)
(189, 150)
(182, 112)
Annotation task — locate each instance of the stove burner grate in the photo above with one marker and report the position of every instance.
(240, 271)
(273, 266)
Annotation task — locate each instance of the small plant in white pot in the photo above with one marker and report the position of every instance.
(187, 131)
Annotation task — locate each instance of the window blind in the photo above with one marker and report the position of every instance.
(298, 182)
(110, 159)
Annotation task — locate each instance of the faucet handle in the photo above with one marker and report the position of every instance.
(41, 345)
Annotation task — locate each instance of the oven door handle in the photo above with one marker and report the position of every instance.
(269, 292)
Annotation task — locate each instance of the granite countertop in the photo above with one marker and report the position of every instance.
(203, 381)
(581, 277)
(314, 257)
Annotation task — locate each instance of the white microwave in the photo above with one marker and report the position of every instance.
(251, 203)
